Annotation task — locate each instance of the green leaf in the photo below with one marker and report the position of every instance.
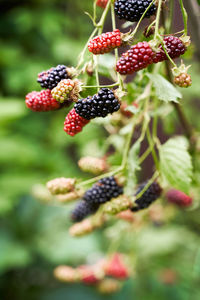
(176, 164)
(198, 1)
(133, 166)
(165, 91)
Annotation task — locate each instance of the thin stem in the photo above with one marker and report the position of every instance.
(151, 144)
(153, 178)
(100, 86)
(155, 119)
(138, 24)
(94, 179)
(185, 17)
(116, 50)
(81, 56)
(128, 144)
(165, 50)
(145, 154)
(97, 71)
(158, 18)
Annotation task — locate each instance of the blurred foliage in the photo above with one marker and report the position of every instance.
(36, 35)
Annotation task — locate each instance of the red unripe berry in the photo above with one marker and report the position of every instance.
(74, 123)
(88, 275)
(41, 101)
(116, 267)
(179, 198)
(105, 42)
(135, 59)
(141, 55)
(102, 3)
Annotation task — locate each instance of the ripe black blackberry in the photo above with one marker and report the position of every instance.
(148, 197)
(132, 10)
(99, 105)
(104, 190)
(82, 210)
(50, 78)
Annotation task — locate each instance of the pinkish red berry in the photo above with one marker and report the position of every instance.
(116, 267)
(135, 59)
(41, 101)
(87, 274)
(178, 198)
(102, 3)
(74, 123)
(105, 42)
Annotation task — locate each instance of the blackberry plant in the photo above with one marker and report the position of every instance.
(129, 109)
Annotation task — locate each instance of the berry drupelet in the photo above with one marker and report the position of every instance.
(135, 59)
(50, 78)
(99, 105)
(148, 197)
(74, 123)
(104, 190)
(82, 210)
(41, 101)
(105, 42)
(132, 10)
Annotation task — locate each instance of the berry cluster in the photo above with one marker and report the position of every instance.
(178, 198)
(152, 193)
(104, 190)
(105, 42)
(132, 10)
(141, 55)
(113, 266)
(100, 105)
(50, 78)
(41, 101)
(74, 123)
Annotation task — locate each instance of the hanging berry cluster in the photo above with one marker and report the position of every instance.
(130, 107)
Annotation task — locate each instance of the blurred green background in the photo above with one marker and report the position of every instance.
(36, 35)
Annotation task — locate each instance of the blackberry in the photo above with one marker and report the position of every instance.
(105, 42)
(135, 59)
(74, 123)
(50, 78)
(183, 80)
(104, 190)
(174, 46)
(148, 197)
(82, 210)
(99, 105)
(132, 10)
(41, 101)
(178, 198)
